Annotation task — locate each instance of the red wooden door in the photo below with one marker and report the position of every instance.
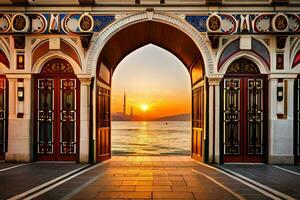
(103, 129)
(243, 119)
(3, 116)
(57, 112)
(198, 123)
(57, 118)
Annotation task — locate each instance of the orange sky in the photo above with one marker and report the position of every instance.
(155, 77)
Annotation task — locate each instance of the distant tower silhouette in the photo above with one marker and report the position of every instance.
(124, 104)
(131, 112)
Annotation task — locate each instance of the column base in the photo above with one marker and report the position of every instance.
(281, 159)
(17, 157)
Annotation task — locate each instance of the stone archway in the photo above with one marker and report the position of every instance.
(196, 56)
(101, 39)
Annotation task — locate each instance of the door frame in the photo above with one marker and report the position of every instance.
(296, 135)
(6, 104)
(56, 156)
(265, 114)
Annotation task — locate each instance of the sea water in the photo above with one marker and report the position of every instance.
(151, 138)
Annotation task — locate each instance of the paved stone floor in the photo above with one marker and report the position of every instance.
(147, 177)
(28, 176)
(271, 176)
(4, 165)
(152, 178)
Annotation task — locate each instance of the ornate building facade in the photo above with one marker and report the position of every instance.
(57, 59)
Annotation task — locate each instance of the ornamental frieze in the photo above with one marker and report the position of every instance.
(215, 23)
(53, 23)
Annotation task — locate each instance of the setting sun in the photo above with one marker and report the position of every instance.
(144, 107)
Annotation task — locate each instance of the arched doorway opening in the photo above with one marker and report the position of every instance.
(126, 41)
(297, 120)
(244, 113)
(57, 95)
(151, 104)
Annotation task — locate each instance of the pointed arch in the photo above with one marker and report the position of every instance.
(103, 37)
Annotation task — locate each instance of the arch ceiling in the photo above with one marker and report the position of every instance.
(135, 36)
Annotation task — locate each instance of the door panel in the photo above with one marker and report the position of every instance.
(3, 115)
(243, 119)
(297, 121)
(254, 117)
(45, 116)
(68, 117)
(103, 133)
(198, 123)
(232, 118)
(57, 123)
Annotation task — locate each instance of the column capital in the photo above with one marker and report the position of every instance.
(283, 75)
(214, 81)
(84, 79)
(18, 76)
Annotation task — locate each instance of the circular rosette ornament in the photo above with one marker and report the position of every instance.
(294, 23)
(38, 24)
(228, 24)
(5, 23)
(86, 23)
(214, 23)
(280, 23)
(70, 24)
(20, 23)
(262, 23)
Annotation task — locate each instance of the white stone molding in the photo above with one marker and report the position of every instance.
(102, 38)
(263, 68)
(39, 64)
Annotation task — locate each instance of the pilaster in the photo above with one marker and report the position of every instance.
(281, 119)
(19, 119)
(214, 119)
(85, 82)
